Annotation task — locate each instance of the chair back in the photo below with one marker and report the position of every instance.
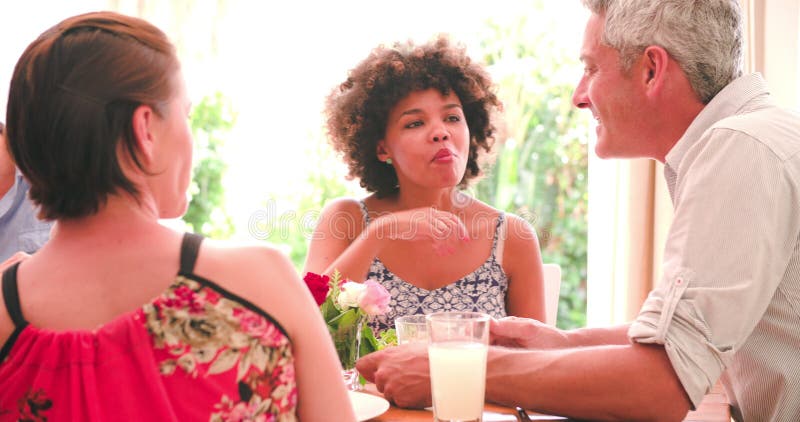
(552, 288)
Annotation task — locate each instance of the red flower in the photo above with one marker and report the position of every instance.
(185, 297)
(318, 284)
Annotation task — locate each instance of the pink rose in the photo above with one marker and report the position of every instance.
(375, 299)
(318, 285)
(251, 323)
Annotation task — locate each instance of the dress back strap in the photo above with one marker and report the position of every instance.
(364, 211)
(190, 246)
(11, 296)
(500, 234)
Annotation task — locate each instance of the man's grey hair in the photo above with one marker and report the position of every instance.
(704, 36)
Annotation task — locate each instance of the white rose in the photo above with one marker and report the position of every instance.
(350, 295)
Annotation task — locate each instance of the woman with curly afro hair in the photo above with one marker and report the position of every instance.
(412, 122)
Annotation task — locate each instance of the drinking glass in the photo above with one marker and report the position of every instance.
(457, 348)
(411, 328)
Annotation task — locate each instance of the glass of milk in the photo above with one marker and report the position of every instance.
(458, 343)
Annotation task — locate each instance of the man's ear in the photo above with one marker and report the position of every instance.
(143, 119)
(655, 61)
(380, 150)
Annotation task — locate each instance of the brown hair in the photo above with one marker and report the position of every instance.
(71, 103)
(357, 111)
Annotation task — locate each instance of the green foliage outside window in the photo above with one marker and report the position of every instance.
(288, 221)
(540, 172)
(211, 120)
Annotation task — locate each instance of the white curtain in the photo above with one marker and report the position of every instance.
(772, 40)
(629, 214)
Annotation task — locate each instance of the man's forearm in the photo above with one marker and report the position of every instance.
(582, 337)
(600, 383)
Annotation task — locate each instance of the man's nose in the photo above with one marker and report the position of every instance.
(580, 98)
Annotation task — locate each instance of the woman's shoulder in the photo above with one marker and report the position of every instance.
(519, 221)
(344, 206)
(520, 231)
(260, 273)
(255, 271)
(518, 227)
(521, 242)
(475, 208)
(242, 259)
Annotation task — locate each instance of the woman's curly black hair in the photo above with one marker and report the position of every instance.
(357, 111)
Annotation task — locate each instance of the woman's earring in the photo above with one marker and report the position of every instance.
(389, 161)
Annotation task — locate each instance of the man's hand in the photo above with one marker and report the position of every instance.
(401, 373)
(17, 257)
(525, 333)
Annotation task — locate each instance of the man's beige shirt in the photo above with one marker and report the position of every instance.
(728, 303)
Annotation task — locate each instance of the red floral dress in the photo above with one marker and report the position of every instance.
(197, 352)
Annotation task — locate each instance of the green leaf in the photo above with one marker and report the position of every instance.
(206, 214)
(328, 309)
(387, 338)
(345, 319)
(369, 343)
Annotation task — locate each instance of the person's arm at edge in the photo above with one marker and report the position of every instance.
(522, 263)
(527, 333)
(630, 382)
(401, 373)
(6, 325)
(321, 391)
(13, 259)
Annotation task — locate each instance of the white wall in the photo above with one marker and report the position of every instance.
(773, 39)
(781, 34)
(22, 22)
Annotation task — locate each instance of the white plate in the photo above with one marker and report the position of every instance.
(367, 406)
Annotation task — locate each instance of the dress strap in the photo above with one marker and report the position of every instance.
(499, 242)
(364, 210)
(189, 248)
(11, 296)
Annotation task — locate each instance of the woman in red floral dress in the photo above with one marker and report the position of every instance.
(118, 317)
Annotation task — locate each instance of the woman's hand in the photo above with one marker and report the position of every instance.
(338, 242)
(443, 229)
(525, 333)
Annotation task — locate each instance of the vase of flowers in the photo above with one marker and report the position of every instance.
(345, 305)
(346, 337)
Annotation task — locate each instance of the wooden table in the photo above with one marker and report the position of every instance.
(714, 408)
